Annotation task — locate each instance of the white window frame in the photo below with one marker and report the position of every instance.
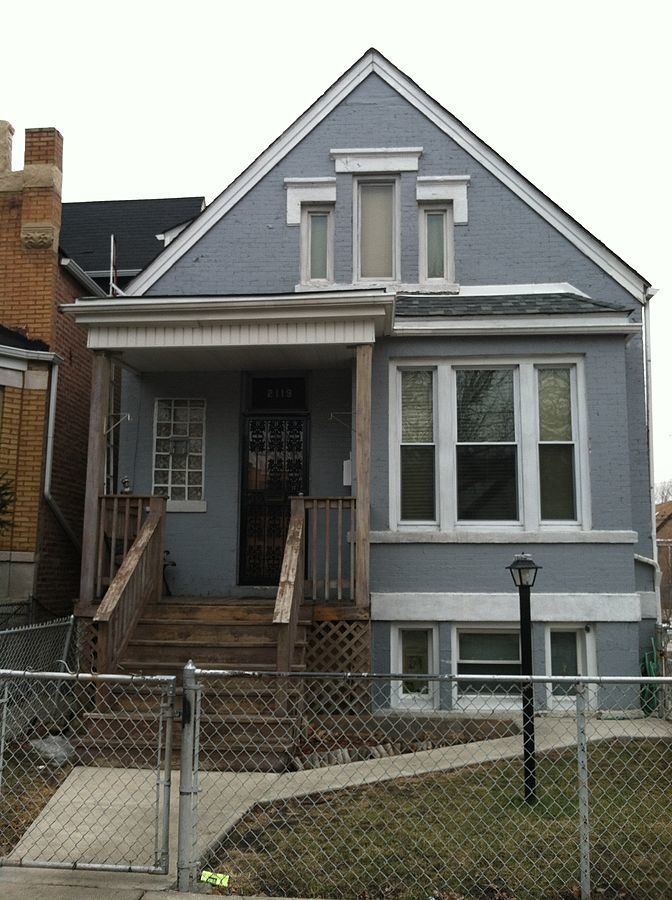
(180, 505)
(307, 210)
(396, 229)
(398, 699)
(526, 410)
(587, 658)
(481, 701)
(448, 244)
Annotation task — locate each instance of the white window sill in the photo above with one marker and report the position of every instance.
(438, 287)
(503, 536)
(187, 506)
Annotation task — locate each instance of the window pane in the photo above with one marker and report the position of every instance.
(416, 407)
(485, 405)
(487, 484)
(488, 646)
(376, 227)
(415, 660)
(564, 658)
(436, 243)
(556, 481)
(555, 405)
(417, 483)
(318, 245)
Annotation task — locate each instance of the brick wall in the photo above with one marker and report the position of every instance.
(32, 286)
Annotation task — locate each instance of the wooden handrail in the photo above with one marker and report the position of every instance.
(120, 517)
(290, 590)
(138, 580)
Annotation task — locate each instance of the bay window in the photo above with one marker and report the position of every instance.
(496, 443)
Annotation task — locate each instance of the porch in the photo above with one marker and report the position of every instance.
(260, 581)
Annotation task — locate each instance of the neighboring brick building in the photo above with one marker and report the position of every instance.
(664, 539)
(44, 383)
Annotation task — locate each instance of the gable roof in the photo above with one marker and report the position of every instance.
(373, 62)
(86, 228)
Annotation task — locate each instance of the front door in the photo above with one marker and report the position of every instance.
(275, 457)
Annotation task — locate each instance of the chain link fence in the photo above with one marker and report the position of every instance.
(47, 647)
(365, 786)
(85, 770)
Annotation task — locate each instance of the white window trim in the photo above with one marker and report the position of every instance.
(445, 188)
(307, 190)
(482, 701)
(525, 397)
(376, 159)
(307, 209)
(587, 664)
(185, 506)
(396, 236)
(397, 698)
(448, 244)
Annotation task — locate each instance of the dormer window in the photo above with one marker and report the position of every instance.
(376, 231)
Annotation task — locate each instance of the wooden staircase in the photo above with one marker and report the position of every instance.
(215, 633)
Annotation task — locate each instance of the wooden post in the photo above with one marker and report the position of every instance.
(95, 473)
(364, 353)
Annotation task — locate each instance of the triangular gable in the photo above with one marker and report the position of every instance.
(373, 62)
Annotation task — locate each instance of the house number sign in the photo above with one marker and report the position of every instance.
(278, 393)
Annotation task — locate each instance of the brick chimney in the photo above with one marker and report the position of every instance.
(42, 180)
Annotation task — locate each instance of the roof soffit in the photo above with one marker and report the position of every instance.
(372, 62)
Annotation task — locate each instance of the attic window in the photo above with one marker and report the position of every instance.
(376, 231)
(317, 244)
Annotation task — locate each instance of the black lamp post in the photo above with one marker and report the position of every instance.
(524, 573)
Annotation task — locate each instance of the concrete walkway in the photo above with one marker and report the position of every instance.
(103, 814)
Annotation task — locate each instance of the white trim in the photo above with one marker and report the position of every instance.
(12, 353)
(19, 556)
(166, 237)
(376, 159)
(581, 323)
(307, 190)
(506, 535)
(84, 278)
(36, 380)
(307, 211)
(373, 62)
(445, 188)
(397, 699)
(525, 376)
(504, 607)
(495, 290)
(13, 376)
(396, 230)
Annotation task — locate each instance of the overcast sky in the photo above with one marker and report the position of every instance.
(159, 99)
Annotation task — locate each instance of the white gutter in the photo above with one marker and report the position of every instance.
(457, 326)
(30, 355)
(49, 461)
(649, 439)
(80, 275)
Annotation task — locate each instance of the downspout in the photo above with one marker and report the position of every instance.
(49, 461)
(648, 294)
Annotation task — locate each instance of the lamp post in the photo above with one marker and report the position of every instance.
(524, 573)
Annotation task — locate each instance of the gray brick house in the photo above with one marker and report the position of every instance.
(383, 319)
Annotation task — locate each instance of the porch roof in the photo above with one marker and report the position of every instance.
(197, 330)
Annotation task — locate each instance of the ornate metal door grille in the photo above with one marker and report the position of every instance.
(274, 469)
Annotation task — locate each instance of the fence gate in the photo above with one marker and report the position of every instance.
(85, 765)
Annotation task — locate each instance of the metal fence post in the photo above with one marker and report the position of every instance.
(186, 865)
(582, 762)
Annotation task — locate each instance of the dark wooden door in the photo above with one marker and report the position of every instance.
(275, 468)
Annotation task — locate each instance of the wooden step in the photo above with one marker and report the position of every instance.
(233, 654)
(214, 632)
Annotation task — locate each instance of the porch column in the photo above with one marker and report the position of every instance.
(364, 353)
(95, 473)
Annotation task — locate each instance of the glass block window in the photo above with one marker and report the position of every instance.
(179, 448)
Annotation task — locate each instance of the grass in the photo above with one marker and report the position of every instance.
(468, 834)
(27, 786)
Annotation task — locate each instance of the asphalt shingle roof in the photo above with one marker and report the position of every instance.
(86, 229)
(453, 305)
(11, 338)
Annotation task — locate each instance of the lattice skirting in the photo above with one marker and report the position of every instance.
(339, 646)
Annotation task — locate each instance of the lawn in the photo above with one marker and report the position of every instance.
(468, 834)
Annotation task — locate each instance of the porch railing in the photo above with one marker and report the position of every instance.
(136, 582)
(318, 564)
(120, 518)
